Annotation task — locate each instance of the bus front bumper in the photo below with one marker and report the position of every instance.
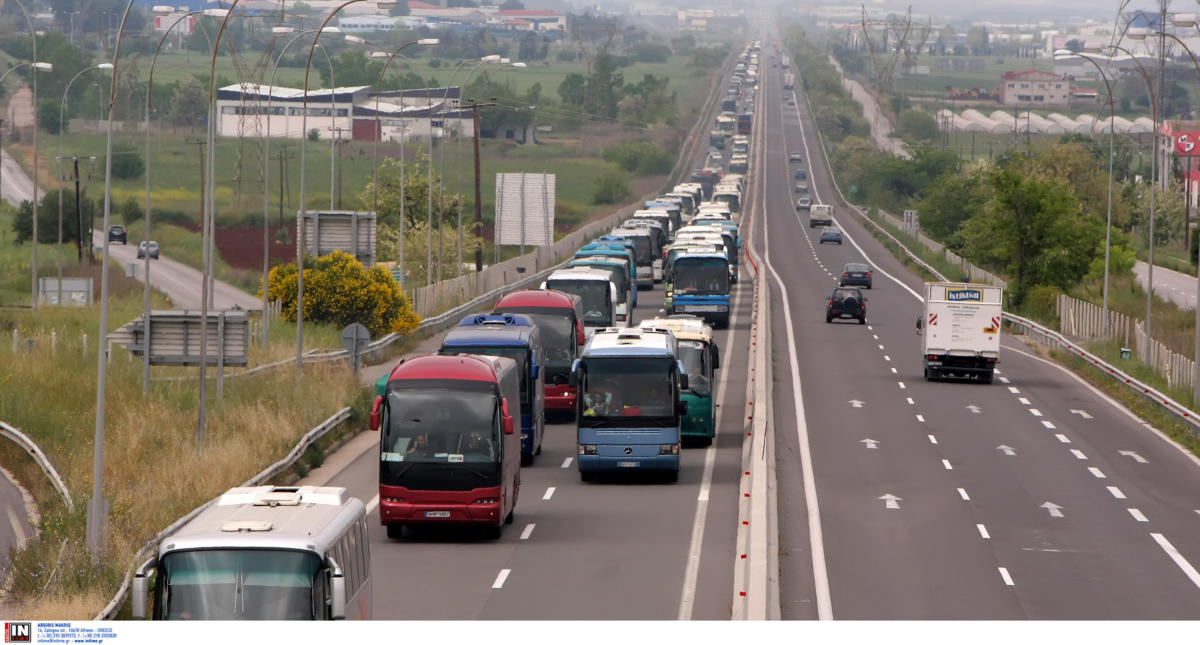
(596, 463)
(399, 505)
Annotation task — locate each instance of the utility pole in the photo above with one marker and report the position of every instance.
(338, 145)
(478, 192)
(1, 158)
(283, 155)
(79, 220)
(199, 143)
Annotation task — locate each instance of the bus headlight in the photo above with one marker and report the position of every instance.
(585, 449)
(668, 449)
(394, 500)
(487, 501)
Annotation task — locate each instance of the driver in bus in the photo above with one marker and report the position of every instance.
(601, 397)
(420, 447)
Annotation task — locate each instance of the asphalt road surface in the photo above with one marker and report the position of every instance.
(1034, 497)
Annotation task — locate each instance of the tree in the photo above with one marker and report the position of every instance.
(1075, 45)
(572, 89)
(414, 192)
(650, 53)
(48, 219)
(351, 67)
(189, 105)
(951, 200)
(49, 112)
(918, 124)
(127, 162)
(612, 186)
(1033, 230)
(401, 9)
(339, 290)
(512, 5)
(603, 86)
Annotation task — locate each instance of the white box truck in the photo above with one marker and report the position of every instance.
(962, 330)
(820, 215)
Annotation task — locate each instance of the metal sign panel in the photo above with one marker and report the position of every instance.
(352, 232)
(912, 221)
(175, 338)
(76, 292)
(525, 208)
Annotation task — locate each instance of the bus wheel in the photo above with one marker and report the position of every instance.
(492, 532)
(508, 519)
(586, 476)
(395, 531)
(671, 476)
(704, 441)
(526, 460)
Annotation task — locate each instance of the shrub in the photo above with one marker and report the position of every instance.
(918, 124)
(651, 53)
(130, 211)
(1041, 303)
(642, 157)
(435, 62)
(339, 290)
(612, 186)
(314, 135)
(127, 162)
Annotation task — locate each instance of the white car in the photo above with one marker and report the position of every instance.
(803, 204)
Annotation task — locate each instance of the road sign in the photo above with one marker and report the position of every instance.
(355, 339)
(912, 221)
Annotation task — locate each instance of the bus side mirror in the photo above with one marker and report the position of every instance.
(682, 408)
(141, 588)
(534, 371)
(716, 356)
(508, 420)
(337, 582)
(375, 410)
(683, 381)
(573, 379)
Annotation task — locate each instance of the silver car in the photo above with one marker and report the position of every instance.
(803, 203)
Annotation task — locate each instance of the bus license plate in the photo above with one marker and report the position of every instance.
(437, 513)
(703, 308)
(627, 464)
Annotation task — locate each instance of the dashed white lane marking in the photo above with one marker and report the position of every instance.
(920, 418)
(1078, 454)
(1048, 424)
(373, 504)
(983, 532)
(962, 492)
(1003, 379)
(549, 493)
(528, 531)
(1035, 412)
(1097, 473)
(901, 384)
(910, 401)
(1116, 492)
(933, 439)
(1137, 515)
(1014, 390)
(1007, 578)
(997, 370)
(888, 358)
(1175, 555)
(881, 347)
(894, 371)
(1062, 438)
(875, 336)
(499, 583)
(946, 463)
(1024, 401)
(567, 462)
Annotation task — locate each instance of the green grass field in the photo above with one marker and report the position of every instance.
(934, 83)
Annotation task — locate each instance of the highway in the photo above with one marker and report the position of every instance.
(616, 549)
(1177, 287)
(1035, 497)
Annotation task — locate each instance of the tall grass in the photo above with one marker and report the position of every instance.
(154, 469)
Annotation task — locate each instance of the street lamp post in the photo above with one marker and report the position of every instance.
(1112, 116)
(1140, 34)
(97, 513)
(61, 121)
(382, 4)
(33, 73)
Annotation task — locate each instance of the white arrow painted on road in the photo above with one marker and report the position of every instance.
(890, 500)
(856, 403)
(1007, 450)
(975, 409)
(871, 443)
(1136, 457)
(1055, 509)
(1082, 413)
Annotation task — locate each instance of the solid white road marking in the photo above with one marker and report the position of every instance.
(1175, 555)
(1136, 457)
(1137, 515)
(890, 500)
(962, 492)
(499, 583)
(1116, 492)
(1062, 438)
(1007, 578)
(983, 532)
(946, 463)
(1054, 509)
(549, 493)
(1082, 413)
(528, 531)
(933, 439)
(1078, 454)
(567, 462)
(1047, 424)
(1097, 473)
(18, 529)
(1035, 412)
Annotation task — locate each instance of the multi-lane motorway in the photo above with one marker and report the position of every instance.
(1034, 497)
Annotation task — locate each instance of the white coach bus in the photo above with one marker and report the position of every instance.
(264, 553)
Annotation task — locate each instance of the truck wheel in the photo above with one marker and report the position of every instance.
(395, 531)
(986, 377)
(930, 374)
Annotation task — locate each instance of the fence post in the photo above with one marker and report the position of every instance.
(85, 344)
(53, 343)
(16, 340)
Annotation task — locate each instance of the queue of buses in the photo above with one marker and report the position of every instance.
(457, 426)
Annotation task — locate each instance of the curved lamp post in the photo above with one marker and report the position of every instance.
(1139, 34)
(62, 110)
(382, 4)
(33, 73)
(1112, 117)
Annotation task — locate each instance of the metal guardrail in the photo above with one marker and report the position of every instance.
(40, 458)
(110, 610)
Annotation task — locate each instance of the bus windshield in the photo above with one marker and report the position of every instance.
(558, 335)
(694, 356)
(701, 276)
(597, 306)
(619, 277)
(520, 355)
(642, 253)
(241, 584)
(628, 392)
(441, 425)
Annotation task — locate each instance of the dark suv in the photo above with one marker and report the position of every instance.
(855, 273)
(116, 233)
(846, 302)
